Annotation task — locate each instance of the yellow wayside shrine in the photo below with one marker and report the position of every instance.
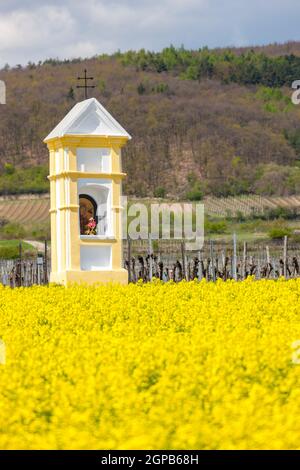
(85, 193)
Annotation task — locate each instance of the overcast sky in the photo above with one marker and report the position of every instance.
(32, 30)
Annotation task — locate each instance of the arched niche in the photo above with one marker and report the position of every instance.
(96, 203)
(87, 210)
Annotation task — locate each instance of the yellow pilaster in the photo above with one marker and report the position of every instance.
(53, 212)
(61, 211)
(116, 159)
(72, 159)
(74, 226)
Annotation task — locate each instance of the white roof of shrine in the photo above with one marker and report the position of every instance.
(88, 117)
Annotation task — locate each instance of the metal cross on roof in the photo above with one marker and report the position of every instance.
(85, 86)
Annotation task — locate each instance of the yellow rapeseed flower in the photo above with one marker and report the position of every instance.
(193, 365)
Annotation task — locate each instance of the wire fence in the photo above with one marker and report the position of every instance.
(26, 272)
(170, 260)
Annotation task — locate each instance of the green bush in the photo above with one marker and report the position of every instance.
(277, 233)
(296, 238)
(279, 212)
(160, 192)
(11, 250)
(12, 230)
(195, 193)
(215, 227)
(39, 232)
(141, 89)
(3, 222)
(9, 169)
(28, 180)
(240, 217)
(160, 88)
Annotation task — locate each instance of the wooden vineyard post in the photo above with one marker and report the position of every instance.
(258, 271)
(129, 258)
(244, 260)
(200, 272)
(187, 267)
(212, 264)
(45, 263)
(275, 268)
(150, 258)
(188, 272)
(19, 269)
(183, 260)
(268, 271)
(224, 268)
(234, 263)
(285, 256)
(268, 254)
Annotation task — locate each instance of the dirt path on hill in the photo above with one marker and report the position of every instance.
(38, 245)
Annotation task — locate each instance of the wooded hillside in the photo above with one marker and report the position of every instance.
(203, 122)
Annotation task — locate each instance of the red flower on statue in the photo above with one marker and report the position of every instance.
(91, 227)
(92, 223)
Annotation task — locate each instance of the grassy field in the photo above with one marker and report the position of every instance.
(11, 249)
(256, 230)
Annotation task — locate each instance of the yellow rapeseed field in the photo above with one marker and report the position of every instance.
(156, 366)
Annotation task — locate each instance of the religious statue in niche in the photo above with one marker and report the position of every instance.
(88, 215)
